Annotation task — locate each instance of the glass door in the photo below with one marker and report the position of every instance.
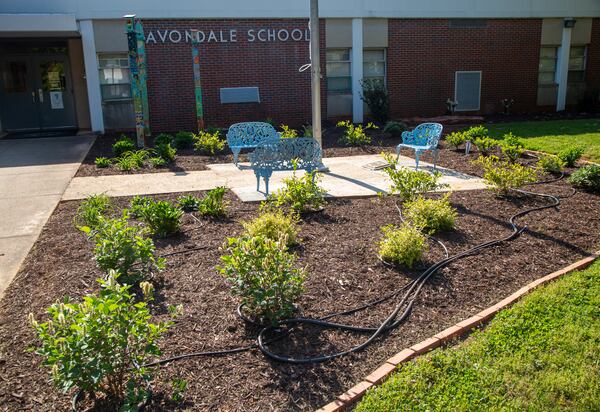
(54, 96)
(18, 99)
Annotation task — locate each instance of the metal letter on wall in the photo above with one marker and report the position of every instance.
(197, 84)
(139, 90)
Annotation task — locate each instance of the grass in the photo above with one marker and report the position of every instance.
(543, 354)
(554, 135)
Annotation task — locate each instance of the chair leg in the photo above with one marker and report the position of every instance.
(435, 158)
(417, 160)
(258, 183)
(397, 153)
(236, 152)
(266, 185)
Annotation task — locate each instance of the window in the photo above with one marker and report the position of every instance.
(339, 77)
(468, 23)
(547, 66)
(115, 82)
(374, 64)
(467, 90)
(577, 57)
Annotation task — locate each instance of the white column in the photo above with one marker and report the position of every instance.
(357, 70)
(92, 76)
(562, 68)
(315, 63)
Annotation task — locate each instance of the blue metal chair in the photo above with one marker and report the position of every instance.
(425, 136)
(249, 135)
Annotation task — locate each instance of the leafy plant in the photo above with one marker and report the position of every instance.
(179, 386)
(550, 164)
(157, 162)
(213, 203)
(431, 215)
(301, 194)
(510, 139)
(92, 209)
(163, 138)
(456, 139)
(262, 273)
(503, 176)
(274, 225)
(209, 143)
(183, 140)
(474, 132)
(102, 162)
(132, 160)
(395, 129)
(587, 177)
(99, 345)
(512, 153)
(307, 130)
(408, 183)
(124, 144)
(166, 152)
(376, 96)
(270, 121)
(138, 204)
(570, 155)
(355, 135)
(163, 219)
(188, 203)
(404, 245)
(287, 132)
(485, 145)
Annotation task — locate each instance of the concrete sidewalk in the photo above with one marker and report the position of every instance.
(347, 177)
(34, 174)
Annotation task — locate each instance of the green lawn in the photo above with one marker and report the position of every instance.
(543, 354)
(553, 135)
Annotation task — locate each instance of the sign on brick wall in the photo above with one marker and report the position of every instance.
(227, 36)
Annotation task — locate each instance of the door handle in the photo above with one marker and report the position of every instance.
(33, 96)
(41, 94)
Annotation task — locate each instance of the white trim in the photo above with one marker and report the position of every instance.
(562, 68)
(38, 23)
(456, 83)
(92, 75)
(356, 68)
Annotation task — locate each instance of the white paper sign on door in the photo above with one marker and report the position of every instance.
(56, 100)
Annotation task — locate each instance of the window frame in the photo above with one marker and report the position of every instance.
(349, 62)
(103, 55)
(584, 66)
(456, 89)
(553, 82)
(384, 61)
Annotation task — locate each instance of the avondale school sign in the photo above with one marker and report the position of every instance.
(227, 36)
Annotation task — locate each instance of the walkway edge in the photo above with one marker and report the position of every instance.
(376, 377)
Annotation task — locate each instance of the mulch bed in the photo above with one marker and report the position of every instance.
(339, 251)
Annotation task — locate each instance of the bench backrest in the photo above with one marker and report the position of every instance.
(250, 134)
(280, 155)
(425, 134)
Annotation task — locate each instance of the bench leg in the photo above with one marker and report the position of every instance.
(236, 152)
(397, 153)
(258, 183)
(267, 185)
(417, 154)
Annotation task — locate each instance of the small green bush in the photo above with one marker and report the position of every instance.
(287, 132)
(163, 219)
(92, 209)
(165, 152)
(99, 345)
(587, 177)
(475, 132)
(503, 176)
(213, 203)
(512, 153)
(355, 135)
(307, 130)
(408, 183)
(102, 162)
(138, 204)
(132, 160)
(125, 144)
(510, 139)
(431, 215)
(209, 143)
(183, 140)
(262, 273)
(456, 139)
(485, 145)
(376, 96)
(275, 225)
(404, 245)
(300, 194)
(188, 203)
(394, 128)
(570, 155)
(550, 164)
(163, 138)
(157, 162)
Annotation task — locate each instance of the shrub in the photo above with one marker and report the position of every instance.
(275, 225)
(92, 209)
(163, 138)
(124, 144)
(307, 130)
(510, 139)
(503, 176)
(485, 145)
(550, 164)
(99, 345)
(213, 203)
(408, 183)
(165, 152)
(209, 143)
(183, 139)
(262, 273)
(474, 132)
(287, 133)
(376, 96)
(102, 162)
(124, 249)
(587, 177)
(395, 129)
(355, 135)
(132, 160)
(431, 215)
(270, 121)
(188, 203)
(404, 245)
(301, 194)
(512, 153)
(570, 155)
(162, 218)
(157, 162)
(137, 204)
(456, 139)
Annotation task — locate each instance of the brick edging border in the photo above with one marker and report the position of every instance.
(355, 393)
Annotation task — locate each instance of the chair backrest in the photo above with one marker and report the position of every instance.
(426, 134)
(280, 155)
(250, 134)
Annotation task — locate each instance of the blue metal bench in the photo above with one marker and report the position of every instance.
(285, 154)
(424, 137)
(249, 135)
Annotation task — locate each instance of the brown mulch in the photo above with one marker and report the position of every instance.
(338, 249)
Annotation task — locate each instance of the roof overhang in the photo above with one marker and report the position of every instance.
(38, 25)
